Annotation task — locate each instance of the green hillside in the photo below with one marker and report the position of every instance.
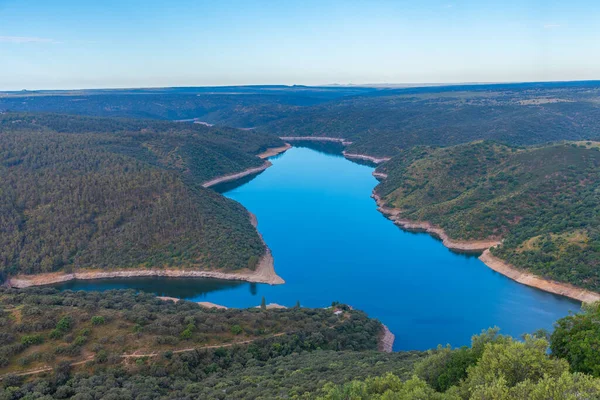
(122, 344)
(81, 192)
(379, 121)
(564, 365)
(387, 122)
(542, 201)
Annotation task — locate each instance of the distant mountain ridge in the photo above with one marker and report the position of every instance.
(380, 121)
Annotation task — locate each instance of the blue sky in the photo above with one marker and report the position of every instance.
(52, 44)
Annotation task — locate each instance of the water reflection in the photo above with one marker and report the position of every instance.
(169, 287)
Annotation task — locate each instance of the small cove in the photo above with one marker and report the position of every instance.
(331, 244)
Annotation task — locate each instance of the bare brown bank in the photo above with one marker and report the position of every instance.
(495, 263)
(237, 175)
(264, 273)
(355, 156)
(274, 151)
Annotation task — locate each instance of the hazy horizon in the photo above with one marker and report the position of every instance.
(326, 85)
(67, 44)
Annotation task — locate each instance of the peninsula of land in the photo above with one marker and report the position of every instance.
(495, 263)
(264, 273)
(250, 171)
(237, 175)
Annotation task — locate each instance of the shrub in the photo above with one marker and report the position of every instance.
(236, 329)
(30, 340)
(98, 320)
(65, 324)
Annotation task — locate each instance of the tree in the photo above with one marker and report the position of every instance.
(576, 338)
(445, 367)
(515, 362)
(263, 304)
(62, 372)
(385, 387)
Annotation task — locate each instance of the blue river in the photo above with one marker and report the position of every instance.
(331, 244)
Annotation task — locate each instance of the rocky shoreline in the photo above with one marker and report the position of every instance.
(238, 175)
(264, 273)
(274, 151)
(416, 226)
(386, 340)
(316, 139)
(529, 279)
(250, 171)
(205, 304)
(356, 156)
(495, 263)
(380, 175)
(376, 160)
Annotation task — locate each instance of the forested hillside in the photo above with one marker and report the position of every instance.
(542, 201)
(81, 192)
(237, 106)
(379, 121)
(123, 344)
(135, 344)
(564, 365)
(383, 123)
(495, 367)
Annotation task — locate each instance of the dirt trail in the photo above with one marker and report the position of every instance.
(216, 346)
(134, 355)
(155, 354)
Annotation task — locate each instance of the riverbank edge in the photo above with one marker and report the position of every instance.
(250, 171)
(415, 226)
(491, 261)
(207, 304)
(344, 142)
(264, 273)
(316, 139)
(273, 151)
(356, 156)
(237, 175)
(386, 340)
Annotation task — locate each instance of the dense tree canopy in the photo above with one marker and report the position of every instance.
(542, 201)
(181, 350)
(80, 192)
(504, 370)
(576, 338)
(386, 122)
(378, 121)
(184, 350)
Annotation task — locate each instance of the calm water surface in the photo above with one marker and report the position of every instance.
(331, 244)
